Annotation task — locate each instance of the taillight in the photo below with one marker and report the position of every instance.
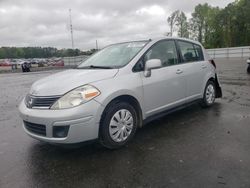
(212, 62)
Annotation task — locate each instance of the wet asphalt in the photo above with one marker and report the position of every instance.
(193, 147)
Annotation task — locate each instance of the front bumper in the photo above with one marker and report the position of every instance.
(83, 122)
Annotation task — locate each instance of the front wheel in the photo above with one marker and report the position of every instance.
(209, 95)
(118, 125)
(248, 69)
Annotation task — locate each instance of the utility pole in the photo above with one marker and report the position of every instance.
(96, 44)
(71, 29)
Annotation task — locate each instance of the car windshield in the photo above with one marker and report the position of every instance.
(113, 56)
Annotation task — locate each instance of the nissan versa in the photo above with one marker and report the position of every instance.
(117, 90)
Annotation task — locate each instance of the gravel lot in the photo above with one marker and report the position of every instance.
(194, 147)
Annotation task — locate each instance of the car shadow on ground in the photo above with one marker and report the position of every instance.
(178, 120)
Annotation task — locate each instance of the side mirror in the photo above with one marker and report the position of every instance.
(151, 64)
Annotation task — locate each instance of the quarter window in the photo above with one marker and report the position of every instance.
(190, 52)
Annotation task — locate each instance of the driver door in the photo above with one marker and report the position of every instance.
(166, 87)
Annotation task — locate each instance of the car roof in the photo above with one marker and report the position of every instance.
(153, 40)
(176, 38)
(159, 39)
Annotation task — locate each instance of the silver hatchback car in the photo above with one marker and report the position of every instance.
(117, 90)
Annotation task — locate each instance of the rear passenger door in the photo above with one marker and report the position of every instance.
(193, 60)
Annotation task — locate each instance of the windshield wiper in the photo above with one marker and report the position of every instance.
(95, 67)
(100, 67)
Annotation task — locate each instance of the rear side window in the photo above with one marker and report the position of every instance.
(199, 52)
(190, 52)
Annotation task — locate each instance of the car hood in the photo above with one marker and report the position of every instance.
(62, 82)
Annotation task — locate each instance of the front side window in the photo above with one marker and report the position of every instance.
(190, 52)
(114, 56)
(165, 51)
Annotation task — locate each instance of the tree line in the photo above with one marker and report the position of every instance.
(214, 27)
(40, 52)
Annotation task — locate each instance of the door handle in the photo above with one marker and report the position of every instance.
(179, 71)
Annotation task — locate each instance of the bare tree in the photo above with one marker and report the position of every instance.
(172, 21)
(182, 25)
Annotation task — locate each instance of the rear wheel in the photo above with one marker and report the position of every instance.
(209, 94)
(118, 125)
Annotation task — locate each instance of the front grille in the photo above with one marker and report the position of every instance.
(35, 128)
(40, 102)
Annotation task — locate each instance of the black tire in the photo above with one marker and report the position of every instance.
(105, 135)
(248, 69)
(205, 103)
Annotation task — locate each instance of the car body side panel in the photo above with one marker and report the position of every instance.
(209, 74)
(197, 76)
(122, 84)
(163, 89)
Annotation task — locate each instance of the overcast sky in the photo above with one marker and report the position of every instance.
(46, 22)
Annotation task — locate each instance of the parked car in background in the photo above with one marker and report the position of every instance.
(5, 62)
(56, 62)
(26, 67)
(34, 61)
(248, 62)
(117, 90)
(20, 61)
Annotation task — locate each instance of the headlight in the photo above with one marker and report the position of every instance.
(76, 97)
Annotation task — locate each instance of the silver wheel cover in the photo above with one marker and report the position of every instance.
(121, 125)
(210, 94)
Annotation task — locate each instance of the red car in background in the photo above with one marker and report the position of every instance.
(5, 62)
